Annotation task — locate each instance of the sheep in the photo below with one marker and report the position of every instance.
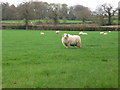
(109, 31)
(82, 33)
(101, 32)
(71, 40)
(57, 32)
(42, 33)
(105, 33)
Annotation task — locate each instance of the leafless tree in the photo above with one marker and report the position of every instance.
(109, 10)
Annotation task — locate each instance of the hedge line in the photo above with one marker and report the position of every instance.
(61, 27)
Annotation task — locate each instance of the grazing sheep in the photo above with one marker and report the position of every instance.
(81, 33)
(105, 33)
(109, 31)
(101, 32)
(71, 40)
(42, 33)
(57, 32)
(84, 33)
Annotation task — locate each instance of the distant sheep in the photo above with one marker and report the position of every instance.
(42, 33)
(82, 33)
(109, 31)
(71, 40)
(101, 32)
(105, 33)
(85, 34)
(57, 32)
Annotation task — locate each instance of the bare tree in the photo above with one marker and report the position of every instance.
(100, 16)
(71, 14)
(109, 10)
(26, 13)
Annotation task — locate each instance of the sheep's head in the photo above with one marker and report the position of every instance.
(65, 36)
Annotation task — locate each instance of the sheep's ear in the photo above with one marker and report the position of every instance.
(67, 35)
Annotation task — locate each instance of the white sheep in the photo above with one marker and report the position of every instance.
(57, 32)
(71, 40)
(84, 34)
(42, 33)
(81, 33)
(105, 33)
(101, 32)
(109, 31)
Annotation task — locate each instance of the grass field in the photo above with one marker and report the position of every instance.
(61, 21)
(31, 60)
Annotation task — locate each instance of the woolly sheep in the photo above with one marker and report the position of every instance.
(57, 32)
(109, 31)
(42, 33)
(105, 33)
(82, 33)
(101, 32)
(71, 40)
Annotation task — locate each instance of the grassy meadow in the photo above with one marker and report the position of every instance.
(33, 21)
(31, 60)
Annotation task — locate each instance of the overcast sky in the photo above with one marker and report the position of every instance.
(92, 4)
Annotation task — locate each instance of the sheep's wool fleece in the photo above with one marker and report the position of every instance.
(72, 39)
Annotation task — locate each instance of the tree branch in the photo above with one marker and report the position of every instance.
(114, 11)
(104, 7)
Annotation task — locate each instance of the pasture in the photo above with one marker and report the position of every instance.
(31, 60)
(33, 21)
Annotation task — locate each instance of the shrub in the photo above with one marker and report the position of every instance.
(61, 27)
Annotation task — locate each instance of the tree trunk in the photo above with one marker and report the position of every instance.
(109, 19)
(26, 23)
(118, 16)
(83, 20)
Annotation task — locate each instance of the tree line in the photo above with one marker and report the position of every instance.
(43, 10)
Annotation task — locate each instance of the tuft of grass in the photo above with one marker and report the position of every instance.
(31, 60)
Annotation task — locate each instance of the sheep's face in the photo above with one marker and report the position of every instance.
(65, 36)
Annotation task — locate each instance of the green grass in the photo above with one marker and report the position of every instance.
(73, 21)
(12, 21)
(31, 60)
(61, 21)
(115, 21)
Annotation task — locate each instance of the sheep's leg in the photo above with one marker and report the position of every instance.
(67, 45)
(78, 45)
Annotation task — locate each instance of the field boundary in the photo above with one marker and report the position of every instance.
(71, 27)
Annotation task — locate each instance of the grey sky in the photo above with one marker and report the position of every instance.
(92, 4)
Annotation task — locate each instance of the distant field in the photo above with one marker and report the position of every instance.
(61, 21)
(115, 21)
(31, 60)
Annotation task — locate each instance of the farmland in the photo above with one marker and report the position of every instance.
(61, 21)
(31, 60)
